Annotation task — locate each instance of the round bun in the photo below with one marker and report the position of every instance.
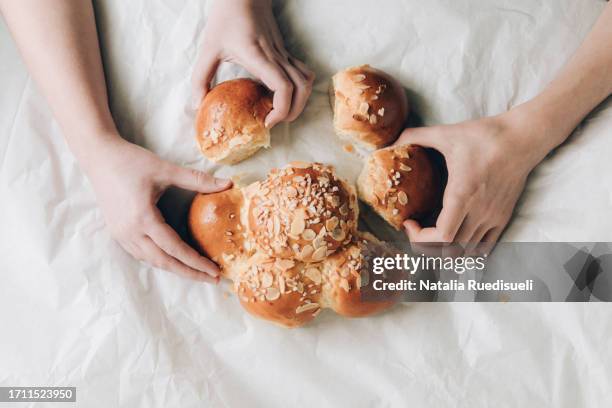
(343, 272)
(302, 212)
(230, 125)
(214, 225)
(370, 107)
(280, 290)
(399, 183)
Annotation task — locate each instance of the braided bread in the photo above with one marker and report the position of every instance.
(289, 243)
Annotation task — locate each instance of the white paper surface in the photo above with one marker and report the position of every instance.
(75, 310)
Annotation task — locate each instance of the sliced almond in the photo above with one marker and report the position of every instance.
(314, 275)
(300, 165)
(306, 307)
(281, 284)
(331, 223)
(319, 254)
(291, 192)
(306, 252)
(402, 198)
(266, 280)
(284, 264)
(298, 225)
(381, 112)
(344, 209)
(309, 235)
(359, 78)
(272, 294)
(364, 107)
(338, 234)
(404, 167)
(373, 119)
(319, 242)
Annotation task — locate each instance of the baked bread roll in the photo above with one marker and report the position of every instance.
(303, 212)
(370, 107)
(230, 124)
(399, 183)
(287, 283)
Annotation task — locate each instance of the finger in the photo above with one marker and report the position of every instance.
(195, 180)
(302, 84)
(301, 91)
(424, 136)
(470, 224)
(447, 225)
(307, 73)
(279, 48)
(475, 245)
(171, 243)
(490, 239)
(157, 258)
(131, 248)
(275, 78)
(202, 76)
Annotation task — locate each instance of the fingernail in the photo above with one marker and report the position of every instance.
(222, 183)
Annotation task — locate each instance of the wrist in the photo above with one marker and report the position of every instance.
(535, 129)
(94, 151)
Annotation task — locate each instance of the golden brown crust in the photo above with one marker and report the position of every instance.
(370, 107)
(303, 212)
(281, 291)
(214, 225)
(344, 271)
(230, 123)
(400, 183)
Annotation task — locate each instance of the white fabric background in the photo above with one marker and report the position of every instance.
(76, 310)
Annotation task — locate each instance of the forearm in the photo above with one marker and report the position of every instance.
(59, 44)
(584, 83)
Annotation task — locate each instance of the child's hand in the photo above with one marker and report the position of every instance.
(129, 181)
(245, 32)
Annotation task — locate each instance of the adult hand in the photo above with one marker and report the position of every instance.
(128, 181)
(488, 162)
(245, 32)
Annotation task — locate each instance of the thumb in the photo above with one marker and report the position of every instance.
(423, 136)
(202, 76)
(195, 180)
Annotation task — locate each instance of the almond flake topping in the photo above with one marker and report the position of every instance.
(364, 107)
(309, 235)
(314, 275)
(402, 198)
(266, 280)
(306, 307)
(272, 294)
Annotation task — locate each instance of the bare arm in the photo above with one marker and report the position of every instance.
(59, 43)
(583, 84)
(489, 159)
